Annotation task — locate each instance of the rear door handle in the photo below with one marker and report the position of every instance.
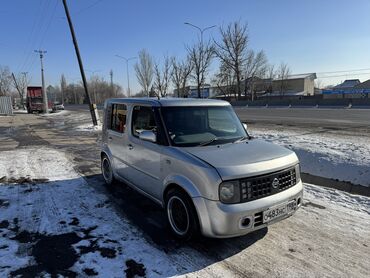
(110, 138)
(130, 147)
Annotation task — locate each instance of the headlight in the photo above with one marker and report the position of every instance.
(230, 192)
(298, 172)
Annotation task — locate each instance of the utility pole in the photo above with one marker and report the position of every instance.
(44, 94)
(128, 77)
(93, 110)
(25, 86)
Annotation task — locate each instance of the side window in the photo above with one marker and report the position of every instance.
(118, 118)
(143, 119)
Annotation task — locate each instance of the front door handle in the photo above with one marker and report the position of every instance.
(110, 138)
(130, 147)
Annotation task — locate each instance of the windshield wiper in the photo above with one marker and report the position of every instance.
(209, 141)
(242, 139)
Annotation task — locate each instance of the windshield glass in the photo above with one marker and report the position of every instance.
(193, 126)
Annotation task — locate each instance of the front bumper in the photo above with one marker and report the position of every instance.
(225, 220)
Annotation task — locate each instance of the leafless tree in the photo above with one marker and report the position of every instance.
(224, 80)
(5, 80)
(63, 85)
(270, 76)
(144, 70)
(20, 83)
(255, 68)
(200, 55)
(162, 76)
(232, 50)
(282, 74)
(181, 71)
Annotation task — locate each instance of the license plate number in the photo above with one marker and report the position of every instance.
(279, 211)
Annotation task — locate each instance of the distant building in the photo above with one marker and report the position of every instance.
(295, 85)
(351, 88)
(347, 84)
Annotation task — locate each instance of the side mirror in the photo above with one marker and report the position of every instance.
(245, 126)
(148, 135)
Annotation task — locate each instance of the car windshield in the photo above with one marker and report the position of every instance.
(198, 125)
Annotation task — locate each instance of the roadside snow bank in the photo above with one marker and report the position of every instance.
(345, 158)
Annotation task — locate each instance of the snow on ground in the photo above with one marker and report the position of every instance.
(50, 191)
(89, 127)
(56, 113)
(344, 157)
(50, 218)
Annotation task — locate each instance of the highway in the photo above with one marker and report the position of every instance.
(307, 117)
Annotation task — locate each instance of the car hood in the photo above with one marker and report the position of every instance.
(246, 158)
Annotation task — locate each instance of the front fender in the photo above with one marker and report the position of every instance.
(183, 182)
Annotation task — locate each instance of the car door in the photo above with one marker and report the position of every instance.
(117, 135)
(144, 157)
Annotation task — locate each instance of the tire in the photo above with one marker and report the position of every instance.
(181, 215)
(107, 171)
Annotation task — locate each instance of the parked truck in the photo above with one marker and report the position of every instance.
(35, 101)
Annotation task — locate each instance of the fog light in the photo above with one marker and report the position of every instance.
(245, 222)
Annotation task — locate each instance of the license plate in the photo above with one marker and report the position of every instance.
(279, 211)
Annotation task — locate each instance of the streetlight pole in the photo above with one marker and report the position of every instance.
(201, 30)
(44, 94)
(128, 77)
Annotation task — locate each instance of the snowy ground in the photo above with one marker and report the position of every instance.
(88, 127)
(53, 221)
(324, 154)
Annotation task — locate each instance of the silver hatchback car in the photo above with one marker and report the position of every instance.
(195, 158)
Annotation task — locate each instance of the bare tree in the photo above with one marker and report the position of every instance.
(21, 81)
(232, 50)
(270, 75)
(255, 68)
(144, 70)
(282, 73)
(162, 76)
(63, 86)
(200, 55)
(224, 80)
(180, 74)
(5, 80)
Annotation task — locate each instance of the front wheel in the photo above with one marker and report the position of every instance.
(107, 171)
(181, 215)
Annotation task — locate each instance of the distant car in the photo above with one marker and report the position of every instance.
(58, 106)
(195, 158)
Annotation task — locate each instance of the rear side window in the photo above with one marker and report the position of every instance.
(143, 119)
(118, 118)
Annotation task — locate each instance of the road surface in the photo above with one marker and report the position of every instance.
(307, 117)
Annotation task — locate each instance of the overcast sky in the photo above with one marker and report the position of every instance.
(311, 36)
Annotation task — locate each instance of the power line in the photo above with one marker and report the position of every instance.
(339, 71)
(29, 43)
(343, 75)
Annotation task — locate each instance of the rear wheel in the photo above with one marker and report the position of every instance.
(181, 214)
(107, 171)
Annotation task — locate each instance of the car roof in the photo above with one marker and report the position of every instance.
(168, 102)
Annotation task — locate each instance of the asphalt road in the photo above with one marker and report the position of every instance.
(307, 117)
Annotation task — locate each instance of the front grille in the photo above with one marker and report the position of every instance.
(262, 186)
